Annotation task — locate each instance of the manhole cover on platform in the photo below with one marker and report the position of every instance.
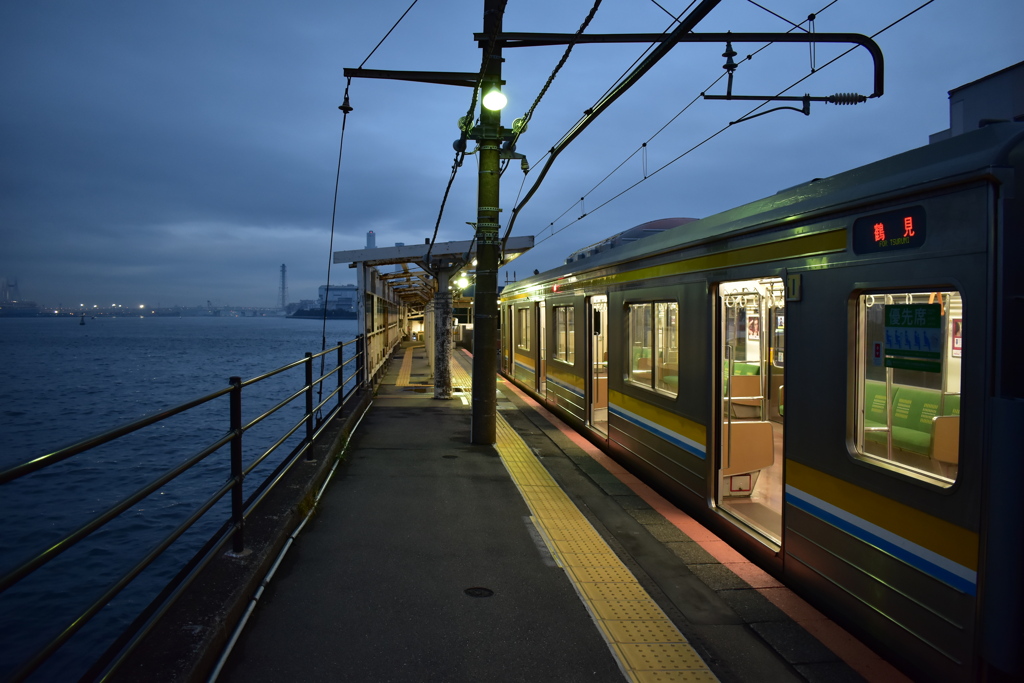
(478, 592)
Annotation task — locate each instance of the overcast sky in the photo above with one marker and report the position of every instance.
(166, 153)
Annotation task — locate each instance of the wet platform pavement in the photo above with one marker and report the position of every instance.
(537, 559)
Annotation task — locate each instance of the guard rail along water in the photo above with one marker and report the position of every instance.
(349, 373)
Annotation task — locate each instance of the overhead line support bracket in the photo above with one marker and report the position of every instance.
(538, 39)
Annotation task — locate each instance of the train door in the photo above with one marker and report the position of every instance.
(752, 411)
(542, 351)
(597, 328)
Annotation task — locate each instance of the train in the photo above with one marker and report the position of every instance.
(830, 379)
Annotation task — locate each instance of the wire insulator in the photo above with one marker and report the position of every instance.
(729, 53)
(846, 98)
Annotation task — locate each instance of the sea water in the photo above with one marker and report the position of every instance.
(61, 382)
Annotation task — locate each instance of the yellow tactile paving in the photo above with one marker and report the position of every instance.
(406, 370)
(660, 656)
(687, 675)
(641, 632)
(647, 645)
(599, 574)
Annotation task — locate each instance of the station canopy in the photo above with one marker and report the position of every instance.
(414, 280)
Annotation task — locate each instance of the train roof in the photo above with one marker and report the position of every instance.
(960, 156)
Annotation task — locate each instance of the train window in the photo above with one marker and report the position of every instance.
(907, 415)
(565, 334)
(524, 329)
(654, 346)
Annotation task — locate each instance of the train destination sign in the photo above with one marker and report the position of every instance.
(913, 336)
(901, 229)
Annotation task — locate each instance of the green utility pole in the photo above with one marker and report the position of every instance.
(485, 328)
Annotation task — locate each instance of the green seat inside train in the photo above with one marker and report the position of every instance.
(746, 368)
(912, 416)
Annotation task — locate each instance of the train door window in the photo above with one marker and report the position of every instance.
(523, 329)
(565, 334)
(667, 347)
(907, 382)
(751, 437)
(654, 346)
(598, 361)
(641, 339)
(543, 341)
(506, 338)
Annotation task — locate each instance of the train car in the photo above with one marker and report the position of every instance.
(829, 378)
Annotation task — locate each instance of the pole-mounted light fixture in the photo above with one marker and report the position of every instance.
(494, 99)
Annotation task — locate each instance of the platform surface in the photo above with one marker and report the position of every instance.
(431, 559)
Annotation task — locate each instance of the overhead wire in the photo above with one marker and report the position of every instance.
(388, 33)
(777, 15)
(518, 130)
(640, 66)
(724, 128)
(460, 152)
(675, 20)
(643, 146)
(561, 62)
(346, 108)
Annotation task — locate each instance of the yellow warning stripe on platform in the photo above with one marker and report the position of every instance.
(405, 372)
(460, 378)
(643, 640)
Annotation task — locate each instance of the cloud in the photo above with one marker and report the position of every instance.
(185, 150)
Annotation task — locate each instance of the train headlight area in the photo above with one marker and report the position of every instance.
(828, 379)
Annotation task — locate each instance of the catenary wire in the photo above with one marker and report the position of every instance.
(724, 128)
(460, 153)
(777, 15)
(666, 125)
(388, 33)
(640, 62)
(675, 20)
(345, 109)
(561, 62)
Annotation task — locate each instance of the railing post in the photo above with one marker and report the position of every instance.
(309, 404)
(341, 373)
(236, 464)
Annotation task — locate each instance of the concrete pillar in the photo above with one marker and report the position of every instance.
(443, 336)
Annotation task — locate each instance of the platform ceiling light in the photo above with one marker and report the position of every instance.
(494, 99)
(462, 283)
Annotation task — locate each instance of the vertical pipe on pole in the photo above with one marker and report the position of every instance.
(309, 405)
(238, 541)
(485, 347)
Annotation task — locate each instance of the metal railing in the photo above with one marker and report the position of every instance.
(350, 377)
